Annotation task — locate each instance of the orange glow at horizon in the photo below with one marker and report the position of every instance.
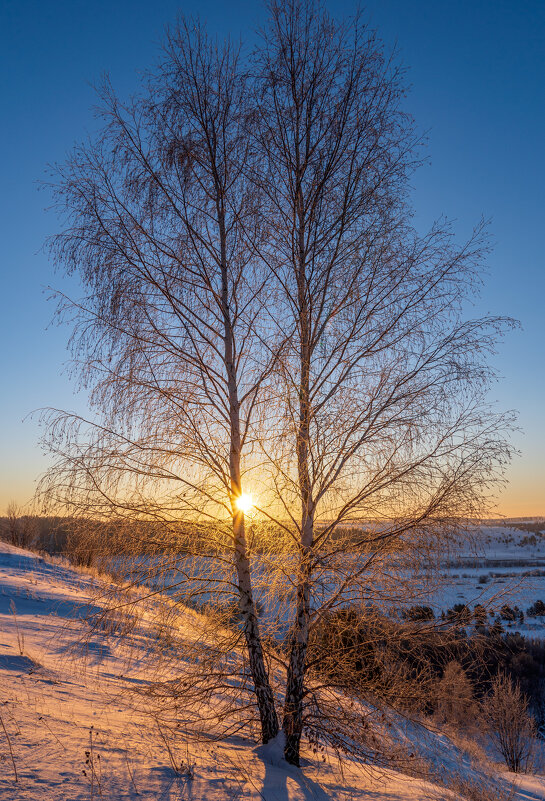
(523, 496)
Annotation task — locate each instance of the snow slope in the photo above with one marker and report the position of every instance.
(72, 731)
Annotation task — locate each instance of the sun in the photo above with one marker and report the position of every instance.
(244, 502)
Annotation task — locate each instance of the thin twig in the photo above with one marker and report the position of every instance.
(10, 748)
(131, 774)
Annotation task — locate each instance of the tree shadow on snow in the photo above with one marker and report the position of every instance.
(276, 781)
(279, 775)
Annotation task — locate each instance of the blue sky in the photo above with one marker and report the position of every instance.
(477, 86)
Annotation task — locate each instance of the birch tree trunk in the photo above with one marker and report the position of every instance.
(260, 677)
(293, 704)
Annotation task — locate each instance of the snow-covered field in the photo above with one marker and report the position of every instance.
(504, 566)
(71, 728)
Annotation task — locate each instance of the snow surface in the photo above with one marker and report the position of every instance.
(76, 733)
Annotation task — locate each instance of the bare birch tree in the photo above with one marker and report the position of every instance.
(383, 381)
(162, 225)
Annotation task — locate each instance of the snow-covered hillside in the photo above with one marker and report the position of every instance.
(72, 730)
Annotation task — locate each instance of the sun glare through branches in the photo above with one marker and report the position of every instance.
(245, 503)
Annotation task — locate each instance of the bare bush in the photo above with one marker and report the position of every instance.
(455, 700)
(509, 723)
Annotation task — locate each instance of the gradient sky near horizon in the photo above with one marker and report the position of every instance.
(477, 76)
